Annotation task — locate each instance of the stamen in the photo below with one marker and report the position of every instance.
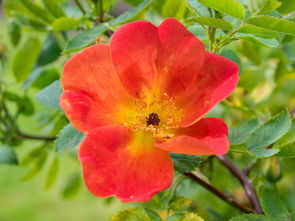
(156, 114)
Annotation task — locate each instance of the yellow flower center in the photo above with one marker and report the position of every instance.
(155, 113)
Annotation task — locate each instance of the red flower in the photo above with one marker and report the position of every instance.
(140, 97)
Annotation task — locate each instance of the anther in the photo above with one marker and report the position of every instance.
(153, 119)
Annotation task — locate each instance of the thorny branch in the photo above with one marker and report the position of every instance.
(219, 194)
(242, 177)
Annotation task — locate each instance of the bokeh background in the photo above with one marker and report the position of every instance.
(31, 192)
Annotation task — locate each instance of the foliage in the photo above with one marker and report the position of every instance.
(258, 35)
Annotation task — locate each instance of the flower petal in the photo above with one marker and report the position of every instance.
(207, 136)
(217, 80)
(149, 58)
(114, 164)
(90, 78)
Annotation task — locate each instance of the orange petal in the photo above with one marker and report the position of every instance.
(216, 81)
(114, 163)
(207, 136)
(146, 57)
(92, 88)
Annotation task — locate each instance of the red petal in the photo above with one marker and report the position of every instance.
(92, 88)
(114, 165)
(217, 80)
(207, 136)
(167, 58)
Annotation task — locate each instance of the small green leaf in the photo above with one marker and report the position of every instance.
(270, 131)
(180, 203)
(127, 16)
(229, 7)
(38, 11)
(185, 163)
(27, 22)
(84, 39)
(52, 173)
(36, 168)
(287, 6)
(53, 7)
(232, 56)
(8, 156)
(22, 64)
(50, 51)
(72, 186)
(251, 217)
(273, 206)
(174, 8)
(287, 150)
(260, 32)
(213, 22)
(49, 96)
(273, 24)
(41, 77)
(137, 214)
(68, 138)
(260, 41)
(185, 217)
(14, 32)
(240, 134)
(262, 6)
(65, 23)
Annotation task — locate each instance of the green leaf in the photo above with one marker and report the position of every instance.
(271, 131)
(41, 77)
(174, 8)
(49, 96)
(22, 64)
(229, 7)
(251, 217)
(68, 138)
(262, 6)
(287, 150)
(197, 8)
(179, 203)
(14, 32)
(38, 11)
(260, 32)
(52, 173)
(25, 21)
(185, 163)
(270, 6)
(185, 217)
(127, 16)
(64, 23)
(232, 56)
(36, 168)
(53, 7)
(260, 41)
(213, 22)
(287, 6)
(12, 6)
(72, 186)
(240, 134)
(8, 156)
(273, 24)
(136, 214)
(84, 39)
(273, 206)
(50, 51)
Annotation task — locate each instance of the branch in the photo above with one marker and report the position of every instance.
(219, 194)
(35, 137)
(242, 177)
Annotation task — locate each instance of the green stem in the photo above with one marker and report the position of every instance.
(80, 6)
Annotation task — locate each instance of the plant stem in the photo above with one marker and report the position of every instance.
(219, 194)
(80, 6)
(242, 177)
(35, 137)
